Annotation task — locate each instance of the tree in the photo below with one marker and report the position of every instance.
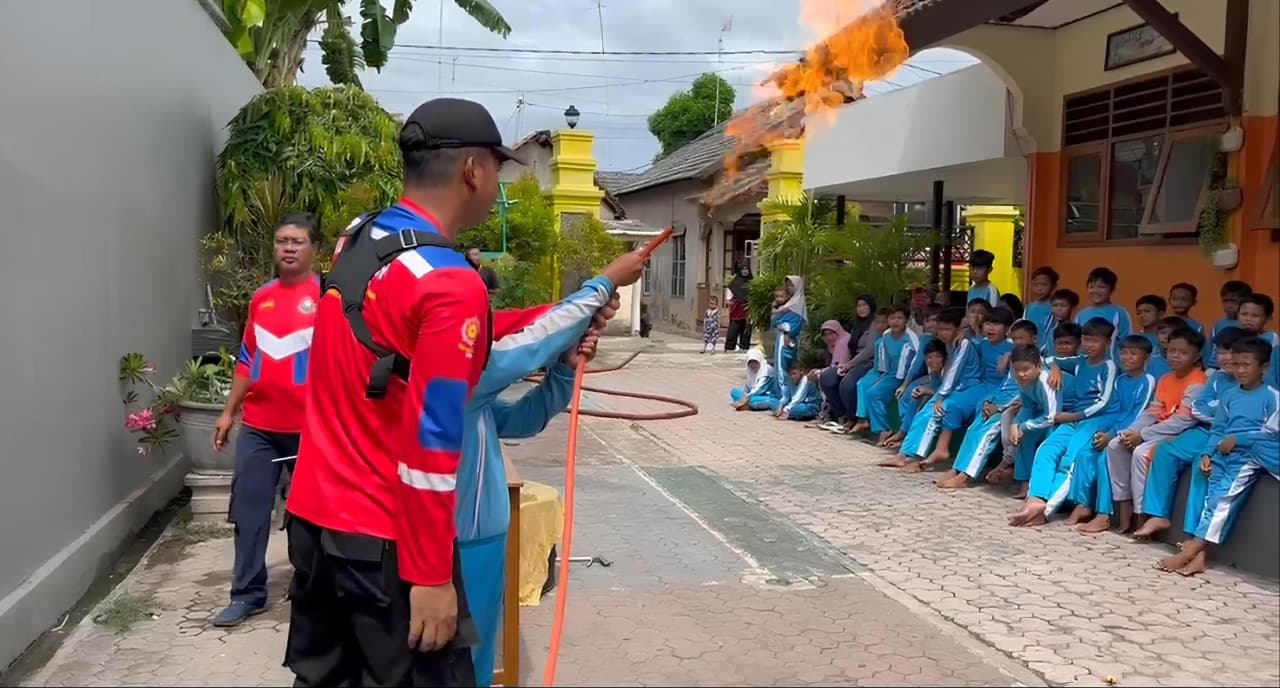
(531, 224)
(329, 151)
(690, 114)
(271, 34)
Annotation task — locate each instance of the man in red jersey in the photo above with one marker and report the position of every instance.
(269, 380)
(371, 505)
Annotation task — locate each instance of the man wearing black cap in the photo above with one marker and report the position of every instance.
(376, 594)
(981, 262)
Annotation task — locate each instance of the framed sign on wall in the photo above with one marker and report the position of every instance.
(1135, 44)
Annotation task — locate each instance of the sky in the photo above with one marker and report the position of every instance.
(614, 93)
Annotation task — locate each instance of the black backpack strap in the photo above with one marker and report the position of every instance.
(361, 258)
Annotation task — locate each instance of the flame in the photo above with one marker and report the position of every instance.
(863, 43)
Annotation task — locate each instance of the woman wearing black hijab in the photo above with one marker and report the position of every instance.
(739, 330)
(840, 383)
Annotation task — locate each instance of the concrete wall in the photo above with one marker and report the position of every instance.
(537, 159)
(111, 116)
(666, 206)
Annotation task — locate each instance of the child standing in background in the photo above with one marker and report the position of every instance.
(1182, 298)
(1254, 314)
(981, 263)
(1158, 365)
(1149, 311)
(711, 326)
(1039, 309)
(1232, 294)
(1102, 283)
(1063, 305)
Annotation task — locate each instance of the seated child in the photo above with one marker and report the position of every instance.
(895, 350)
(912, 396)
(1091, 487)
(958, 410)
(1182, 298)
(1245, 442)
(1254, 314)
(1232, 294)
(1063, 306)
(976, 314)
(711, 325)
(1039, 404)
(1101, 284)
(981, 263)
(805, 402)
(1013, 304)
(1017, 464)
(984, 433)
(1053, 468)
(960, 379)
(1158, 364)
(879, 326)
(1175, 455)
(1129, 453)
(789, 316)
(1149, 311)
(1039, 309)
(761, 388)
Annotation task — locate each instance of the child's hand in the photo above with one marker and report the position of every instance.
(1130, 439)
(1015, 435)
(988, 410)
(1206, 465)
(937, 407)
(897, 393)
(1055, 377)
(1227, 445)
(1062, 418)
(1101, 440)
(784, 415)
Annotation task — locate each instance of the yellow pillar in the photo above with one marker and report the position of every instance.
(573, 174)
(993, 231)
(786, 175)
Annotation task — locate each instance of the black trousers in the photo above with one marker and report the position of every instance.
(739, 335)
(349, 622)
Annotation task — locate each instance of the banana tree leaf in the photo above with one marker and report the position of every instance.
(486, 15)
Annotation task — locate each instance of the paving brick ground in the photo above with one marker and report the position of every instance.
(749, 551)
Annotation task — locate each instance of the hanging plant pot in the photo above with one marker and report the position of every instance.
(1225, 258)
(1230, 199)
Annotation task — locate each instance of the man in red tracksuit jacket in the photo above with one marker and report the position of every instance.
(371, 504)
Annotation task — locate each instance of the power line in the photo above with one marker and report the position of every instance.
(551, 51)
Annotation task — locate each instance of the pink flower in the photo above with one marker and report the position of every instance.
(143, 449)
(148, 368)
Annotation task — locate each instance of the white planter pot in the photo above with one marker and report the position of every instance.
(1226, 257)
(211, 471)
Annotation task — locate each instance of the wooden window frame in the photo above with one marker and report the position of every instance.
(1147, 234)
(1268, 193)
(1189, 227)
(679, 260)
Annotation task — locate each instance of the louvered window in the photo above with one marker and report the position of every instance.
(1138, 156)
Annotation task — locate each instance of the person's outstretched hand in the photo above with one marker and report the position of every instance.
(625, 269)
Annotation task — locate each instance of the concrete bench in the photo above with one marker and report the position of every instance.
(1254, 544)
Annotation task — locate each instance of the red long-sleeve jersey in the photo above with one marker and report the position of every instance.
(274, 353)
(387, 468)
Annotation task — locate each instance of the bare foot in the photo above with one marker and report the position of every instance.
(940, 455)
(1000, 475)
(913, 467)
(959, 481)
(861, 427)
(1078, 515)
(1032, 514)
(1100, 524)
(1037, 519)
(884, 437)
(896, 461)
(1022, 491)
(1154, 526)
(947, 475)
(1196, 565)
(1124, 516)
(1174, 562)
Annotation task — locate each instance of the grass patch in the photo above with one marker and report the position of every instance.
(124, 611)
(192, 532)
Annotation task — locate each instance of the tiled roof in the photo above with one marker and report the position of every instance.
(699, 158)
(751, 182)
(612, 181)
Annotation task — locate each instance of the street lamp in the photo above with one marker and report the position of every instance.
(571, 115)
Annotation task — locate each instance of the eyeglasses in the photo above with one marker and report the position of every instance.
(292, 241)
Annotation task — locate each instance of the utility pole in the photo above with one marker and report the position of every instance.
(520, 102)
(453, 79)
(440, 42)
(724, 28)
(604, 69)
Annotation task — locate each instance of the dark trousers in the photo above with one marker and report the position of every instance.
(253, 497)
(841, 393)
(739, 335)
(349, 622)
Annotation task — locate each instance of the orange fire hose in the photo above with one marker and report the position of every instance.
(570, 465)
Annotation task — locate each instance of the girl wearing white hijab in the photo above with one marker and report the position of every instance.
(760, 390)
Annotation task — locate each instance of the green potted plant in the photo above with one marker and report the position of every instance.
(182, 411)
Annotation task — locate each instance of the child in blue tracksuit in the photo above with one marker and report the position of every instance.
(1253, 315)
(1244, 442)
(1175, 455)
(981, 263)
(909, 402)
(958, 409)
(1148, 312)
(1182, 298)
(914, 396)
(1232, 294)
(1091, 487)
(1039, 310)
(984, 434)
(1053, 468)
(761, 387)
(1039, 404)
(1064, 304)
(1101, 284)
(962, 375)
(524, 342)
(789, 316)
(1158, 364)
(805, 402)
(895, 351)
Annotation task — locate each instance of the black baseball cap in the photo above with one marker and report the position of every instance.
(454, 123)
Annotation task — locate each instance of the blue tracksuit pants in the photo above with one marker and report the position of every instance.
(960, 406)
(879, 396)
(1230, 482)
(980, 440)
(758, 402)
(923, 433)
(1053, 471)
(1169, 459)
(909, 407)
